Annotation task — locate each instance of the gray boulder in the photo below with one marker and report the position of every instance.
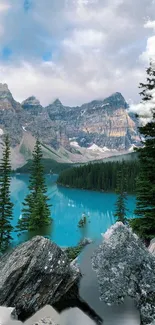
(152, 246)
(125, 268)
(110, 315)
(34, 274)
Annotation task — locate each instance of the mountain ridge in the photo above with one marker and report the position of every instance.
(94, 130)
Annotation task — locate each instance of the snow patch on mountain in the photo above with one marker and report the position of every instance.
(74, 144)
(105, 104)
(94, 147)
(131, 149)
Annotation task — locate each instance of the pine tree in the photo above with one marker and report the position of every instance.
(40, 212)
(121, 208)
(6, 206)
(36, 211)
(144, 223)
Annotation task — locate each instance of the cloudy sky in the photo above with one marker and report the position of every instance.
(75, 50)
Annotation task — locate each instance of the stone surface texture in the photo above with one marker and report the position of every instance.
(125, 268)
(34, 274)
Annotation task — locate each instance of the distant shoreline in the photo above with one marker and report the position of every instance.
(92, 190)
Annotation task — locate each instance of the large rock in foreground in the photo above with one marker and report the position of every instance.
(124, 268)
(34, 274)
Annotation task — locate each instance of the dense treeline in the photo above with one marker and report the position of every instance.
(101, 176)
(144, 223)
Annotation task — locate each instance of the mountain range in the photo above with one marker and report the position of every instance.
(96, 130)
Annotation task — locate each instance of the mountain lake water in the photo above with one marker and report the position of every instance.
(68, 205)
(67, 208)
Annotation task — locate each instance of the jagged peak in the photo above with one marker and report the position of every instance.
(32, 100)
(7, 102)
(4, 87)
(57, 102)
(117, 95)
(55, 105)
(117, 98)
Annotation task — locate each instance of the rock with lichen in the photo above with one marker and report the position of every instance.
(124, 268)
(34, 274)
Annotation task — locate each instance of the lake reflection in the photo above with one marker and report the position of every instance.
(68, 205)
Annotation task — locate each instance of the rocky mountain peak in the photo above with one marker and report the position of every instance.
(116, 100)
(32, 100)
(57, 109)
(111, 103)
(7, 101)
(4, 91)
(57, 102)
(118, 96)
(99, 124)
(32, 105)
(3, 87)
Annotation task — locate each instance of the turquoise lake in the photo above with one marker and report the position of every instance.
(68, 205)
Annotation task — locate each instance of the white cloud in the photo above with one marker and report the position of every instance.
(47, 81)
(150, 24)
(150, 50)
(149, 53)
(95, 49)
(142, 109)
(44, 80)
(145, 108)
(85, 38)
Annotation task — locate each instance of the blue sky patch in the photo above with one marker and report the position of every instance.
(27, 5)
(47, 56)
(6, 53)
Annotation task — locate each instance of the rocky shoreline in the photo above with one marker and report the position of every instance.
(38, 273)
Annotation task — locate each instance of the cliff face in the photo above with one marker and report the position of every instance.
(105, 123)
(7, 102)
(100, 126)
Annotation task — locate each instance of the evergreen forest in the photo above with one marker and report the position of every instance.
(101, 176)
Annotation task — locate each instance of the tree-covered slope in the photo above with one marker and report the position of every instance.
(100, 176)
